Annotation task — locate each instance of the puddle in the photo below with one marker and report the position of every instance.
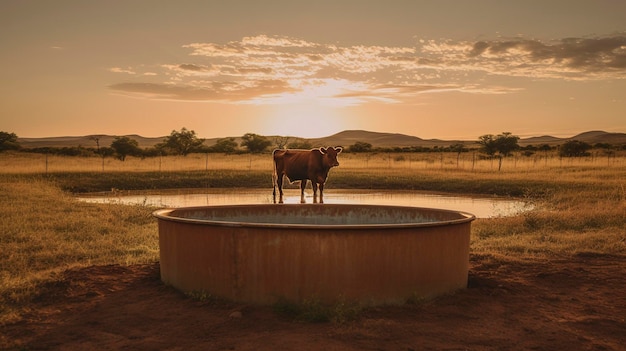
(481, 207)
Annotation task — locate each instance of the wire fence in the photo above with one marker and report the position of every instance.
(380, 162)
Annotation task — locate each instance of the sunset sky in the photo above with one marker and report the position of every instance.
(433, 69)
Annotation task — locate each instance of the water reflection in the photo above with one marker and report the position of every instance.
(481, 207)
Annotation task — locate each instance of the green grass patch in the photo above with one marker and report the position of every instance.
(313, 310)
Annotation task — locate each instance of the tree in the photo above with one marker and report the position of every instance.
(458, 148)
(487, 144)
(96, 138)
(300, 144)
(8, 141)
(182, 143)
(607, 148)
(502, 144)
(255, 143)
(506, 143)
(574, 148)
(225, 145)
(125, 146)
(281, 141)
(545, 148)
(360, 146)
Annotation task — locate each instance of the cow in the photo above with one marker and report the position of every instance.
(303, 165)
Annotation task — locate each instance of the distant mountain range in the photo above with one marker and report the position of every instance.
(345, 138)
(85, 141)
(350, 137)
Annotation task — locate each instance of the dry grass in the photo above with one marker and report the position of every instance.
(583, 210)
(12, 162)
(44, 231)
(580, 206)
(20, 163)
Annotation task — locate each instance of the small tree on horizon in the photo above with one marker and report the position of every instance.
(300, 144)
(181, 143)
(506, 143)
(96, 138)
(281, 141)
(502, 144)
(255, 143)
(458, 148)
(224, 145)
(360, 146)
(125, 146)
(574, 148)
(8, 141)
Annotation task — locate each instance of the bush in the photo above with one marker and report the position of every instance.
(574, 148)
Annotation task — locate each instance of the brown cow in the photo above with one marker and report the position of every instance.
(304, 165)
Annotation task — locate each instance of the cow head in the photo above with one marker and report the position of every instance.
(329, 156)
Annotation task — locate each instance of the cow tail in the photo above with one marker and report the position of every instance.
(274, 177)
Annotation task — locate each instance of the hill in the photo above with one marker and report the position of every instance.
(597, 136)
(88, 141)
(591, 137)
(349, 137)
(344, 138)
(545, 139)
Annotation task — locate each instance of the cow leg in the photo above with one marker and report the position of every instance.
(274, 189)
(279, 183)
(302, 187)
(314, 186)
(321, 193)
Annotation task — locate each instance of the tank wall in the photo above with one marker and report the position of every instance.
(260, 265)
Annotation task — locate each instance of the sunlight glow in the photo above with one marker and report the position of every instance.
(305, 120)
(325, 92)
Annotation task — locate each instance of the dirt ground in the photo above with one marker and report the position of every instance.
(575, 303)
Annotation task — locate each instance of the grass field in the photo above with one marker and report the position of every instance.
(580, 205)
(11, 162)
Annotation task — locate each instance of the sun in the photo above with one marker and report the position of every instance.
(314, 110)
(302, 120)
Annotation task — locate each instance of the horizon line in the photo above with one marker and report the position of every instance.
(525, 136)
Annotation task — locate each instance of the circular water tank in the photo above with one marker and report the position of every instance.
(332, 252)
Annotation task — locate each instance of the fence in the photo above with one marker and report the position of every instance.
(16, 162)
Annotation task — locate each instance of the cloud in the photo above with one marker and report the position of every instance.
(569, 58)
(191, 67)
(272, 69)
(210, 91)
(264, 40)
(121, 70)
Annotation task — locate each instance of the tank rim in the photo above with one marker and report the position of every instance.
(164, 214)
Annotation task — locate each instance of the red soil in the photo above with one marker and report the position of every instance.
(576, 303)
